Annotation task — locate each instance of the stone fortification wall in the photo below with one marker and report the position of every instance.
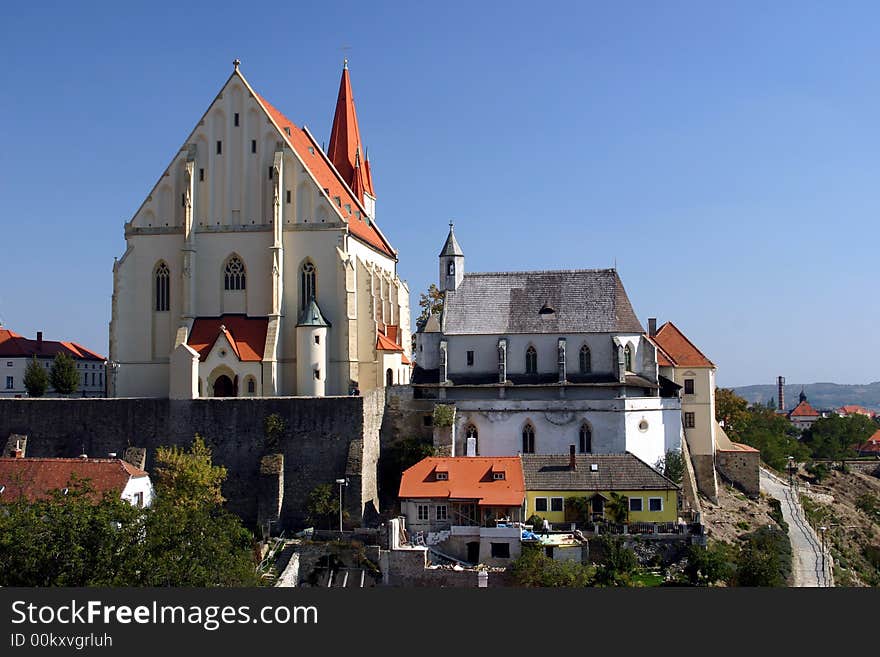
(323, 439)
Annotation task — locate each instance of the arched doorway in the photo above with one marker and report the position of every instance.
(223, 387)
(389, 377)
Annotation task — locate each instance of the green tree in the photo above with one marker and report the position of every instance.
(618, 507)
(36, 381)
(764, 559)
(273, 428)
(188, 478)
(834, 437)
(577, 509)
(322, 505)
(431, 303)
(672, 465)
(534, 569)
(618, 563)
(731, 410)
(63, 375)
(707, 565)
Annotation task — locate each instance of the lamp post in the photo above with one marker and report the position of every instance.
(341, 482)
(822, 530)
(790, 470)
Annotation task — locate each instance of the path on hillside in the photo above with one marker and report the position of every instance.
(808, 566)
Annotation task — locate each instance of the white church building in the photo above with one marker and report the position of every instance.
(537, 361)
(255, 267)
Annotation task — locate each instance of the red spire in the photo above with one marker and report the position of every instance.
(345, 140)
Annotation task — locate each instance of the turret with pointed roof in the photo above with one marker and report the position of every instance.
(451, 262)
(346, 149)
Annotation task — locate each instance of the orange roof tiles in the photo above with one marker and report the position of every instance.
(35, 478)
(384, 343)
(345, 149)
(246, 335)
(804, 410)
(681, 351)
(470, 478)
(12, 344)
(853, 409)
(870, 446)
(739, 447)
(328, 178)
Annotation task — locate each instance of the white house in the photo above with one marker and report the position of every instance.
(17, 352)
(536, 361)
(251, 233)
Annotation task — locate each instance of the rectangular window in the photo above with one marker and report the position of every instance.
(442, 476)
(219, 147)
(500, 550)
(441, 512)
(470, 358)
(689, 421)
(498, 476)
(655, 504)
(85, 378)
(635, 504)
(556, 503)
(270, 173)
(423, 511)
(253, 145)
(688, 386)
(317, 375)
(9, 363)
(9, 383)
(139, 500)
(288, 196)
(235, 118)
(427, 421)
(93, 378)
(540, 504)
(100, 378)
(317, 339)
(201, 175)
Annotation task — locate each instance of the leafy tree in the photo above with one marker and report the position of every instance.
(707, 565)
(322, 505)
(273, 428)
(618, 507)
(618, 564)
(732, 411)
(396, 458)
(36, 381)
(534, 569)
(431, 303)
(764, 559)
(834, 437)
(63, 375)
(577, 509)
(187, 478)
(672, 465)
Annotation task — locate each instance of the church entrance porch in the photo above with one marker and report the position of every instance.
(224, 387)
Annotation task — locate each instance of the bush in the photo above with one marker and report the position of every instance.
(714, 563)
(618, 564)
(443, 414)
(819, 471)
(764, 559)
(534, 569)
(535, 521)
(672, 465)
(776, 513)
(869, 505)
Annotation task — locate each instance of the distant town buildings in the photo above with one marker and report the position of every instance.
(803, 416)
(17, 352)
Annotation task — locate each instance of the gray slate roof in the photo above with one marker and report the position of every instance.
(584, 301)
(451, 246)
(311, 316)
(615, 472)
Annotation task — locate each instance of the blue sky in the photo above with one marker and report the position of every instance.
(725, 156)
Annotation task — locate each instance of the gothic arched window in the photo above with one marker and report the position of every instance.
(586, 364)
(528, 439)
(531, 361)
(628, 358)
(163, 287)
(586, 439)
(307, 284)
(234, 274)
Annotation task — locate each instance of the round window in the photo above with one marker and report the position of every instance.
(643, 425)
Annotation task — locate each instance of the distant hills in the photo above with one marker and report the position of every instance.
(820, 395)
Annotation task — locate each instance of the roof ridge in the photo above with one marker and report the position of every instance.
(686, 339)
(539, 271)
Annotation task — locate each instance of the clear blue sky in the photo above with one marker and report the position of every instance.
(726, 156)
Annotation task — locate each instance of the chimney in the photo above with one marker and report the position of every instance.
(84, 456)
(780, 383)
(112, 455)
(39, 341)
(652, 326)
(572, 461)
(18, 453)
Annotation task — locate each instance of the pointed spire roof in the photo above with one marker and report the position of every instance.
(345, 139)
(451, 248)
(311, 316)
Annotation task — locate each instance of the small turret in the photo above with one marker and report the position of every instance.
(311, 352)
(451, 262)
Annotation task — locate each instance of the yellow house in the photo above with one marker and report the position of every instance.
(552, 479)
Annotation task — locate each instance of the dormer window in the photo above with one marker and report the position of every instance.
(498, 476)
(442, 476)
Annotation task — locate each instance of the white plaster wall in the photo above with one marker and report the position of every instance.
(311, 357)
(137, 485)
(16, 367)
(701, 438)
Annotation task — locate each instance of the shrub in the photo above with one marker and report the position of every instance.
(534, 569)
(714, 563)
(443, 414)
(776, 513)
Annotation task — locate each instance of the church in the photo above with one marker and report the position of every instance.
(255, 266)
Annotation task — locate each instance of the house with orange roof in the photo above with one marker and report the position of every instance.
(803, 416)
(17, 352)
(470, 506)
(855, 409)
(255, 265)
(871, 447)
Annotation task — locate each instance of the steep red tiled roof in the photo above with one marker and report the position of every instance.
(870, 446)
(246, 335)
(853, 409)
(384, 343)
(35, 478)
(345, 149)
(404, 360)
(12, 344)
(679, 349)
(804, 410)
(663, 359)
(470, 478)
(322, 169)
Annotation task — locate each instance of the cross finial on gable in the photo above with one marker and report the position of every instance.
(236, 63)
(451, 224)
